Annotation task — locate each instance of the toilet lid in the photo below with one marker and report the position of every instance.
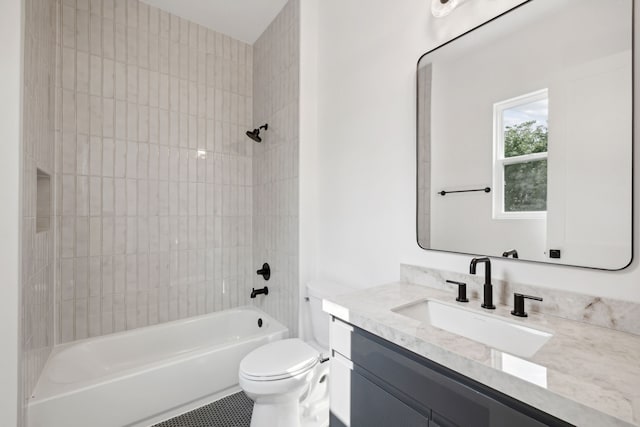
(279, 359)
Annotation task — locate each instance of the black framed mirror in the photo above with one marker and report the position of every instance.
(525, 136)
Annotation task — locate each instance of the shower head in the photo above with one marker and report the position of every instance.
(255, 134)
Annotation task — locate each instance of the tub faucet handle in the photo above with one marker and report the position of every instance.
(265, 271)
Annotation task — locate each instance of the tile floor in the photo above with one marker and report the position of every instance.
(232, 411)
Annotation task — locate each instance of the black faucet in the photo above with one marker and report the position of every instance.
(512, 252)
(256, 292)
(488, 288)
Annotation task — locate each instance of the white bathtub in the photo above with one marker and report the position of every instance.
(140, 377)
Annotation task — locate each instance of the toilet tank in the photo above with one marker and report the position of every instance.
(316, 291)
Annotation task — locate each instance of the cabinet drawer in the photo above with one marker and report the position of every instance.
(340, 390)
(340, 337)
(371, 406)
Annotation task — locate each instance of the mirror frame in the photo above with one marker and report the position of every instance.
(634, 46)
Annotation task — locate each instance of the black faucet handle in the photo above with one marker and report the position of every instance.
(462, 290)
(265, 271)
(518, 304)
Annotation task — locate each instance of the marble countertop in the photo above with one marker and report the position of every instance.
(586, 375)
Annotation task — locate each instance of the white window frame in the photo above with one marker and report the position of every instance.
(499, 161)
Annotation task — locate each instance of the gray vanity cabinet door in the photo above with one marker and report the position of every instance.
(372, 406)
(419, 384)
(438, 420)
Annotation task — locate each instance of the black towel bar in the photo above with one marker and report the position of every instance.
(485, 189)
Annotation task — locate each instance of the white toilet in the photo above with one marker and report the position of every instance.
(288, 379)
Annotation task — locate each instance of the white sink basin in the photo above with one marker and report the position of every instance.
(487, 329)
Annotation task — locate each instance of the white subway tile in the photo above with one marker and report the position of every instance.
(120, 236)
(132, 197)
(132, 13)
(82, 240)
(120, 42)
(82, 30)
(132, 273)
(95, 75)
(132, 122)
(95, 35)
(120, 11)
(143, 197)
(108, 111)
(108, 157)
(107, 197)
(107, 315)
(107, 235)
(68, 152)
(67, 237)
(154, 20)
(143, 17)
(95, 196)
(108, 9)
(108, 38)
(143, 49)
(95, 276)
(154, 125)
(95, 238)
(95, 106)
(108, 76)
(120, 196)
(67, 328)
(120, 159)
(121, 120)
(107, 274)
(143, 123)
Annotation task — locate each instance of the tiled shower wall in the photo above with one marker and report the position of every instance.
(38, 153)
(155, 172)
(425, 74)
(276, 69)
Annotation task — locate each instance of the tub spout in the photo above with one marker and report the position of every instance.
(256, 292)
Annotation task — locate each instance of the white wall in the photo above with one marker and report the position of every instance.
(589, 218)
(367, 53)
(11, 25)
(308, 177)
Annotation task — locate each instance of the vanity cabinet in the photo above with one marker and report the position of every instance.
(377, 383)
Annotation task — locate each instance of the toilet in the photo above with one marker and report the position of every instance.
(288, 379)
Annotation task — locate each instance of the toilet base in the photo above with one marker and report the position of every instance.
(289, 414)
(281, 414)
(305, 406)
(315, 407)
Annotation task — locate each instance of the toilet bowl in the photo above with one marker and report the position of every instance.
(288, 379)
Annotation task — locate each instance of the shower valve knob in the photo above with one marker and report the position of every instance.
(265, 271)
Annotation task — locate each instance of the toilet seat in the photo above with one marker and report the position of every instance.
(279, 360)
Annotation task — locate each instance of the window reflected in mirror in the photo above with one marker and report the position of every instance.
(520, 144)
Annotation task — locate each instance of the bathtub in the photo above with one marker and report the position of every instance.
(143, 376)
